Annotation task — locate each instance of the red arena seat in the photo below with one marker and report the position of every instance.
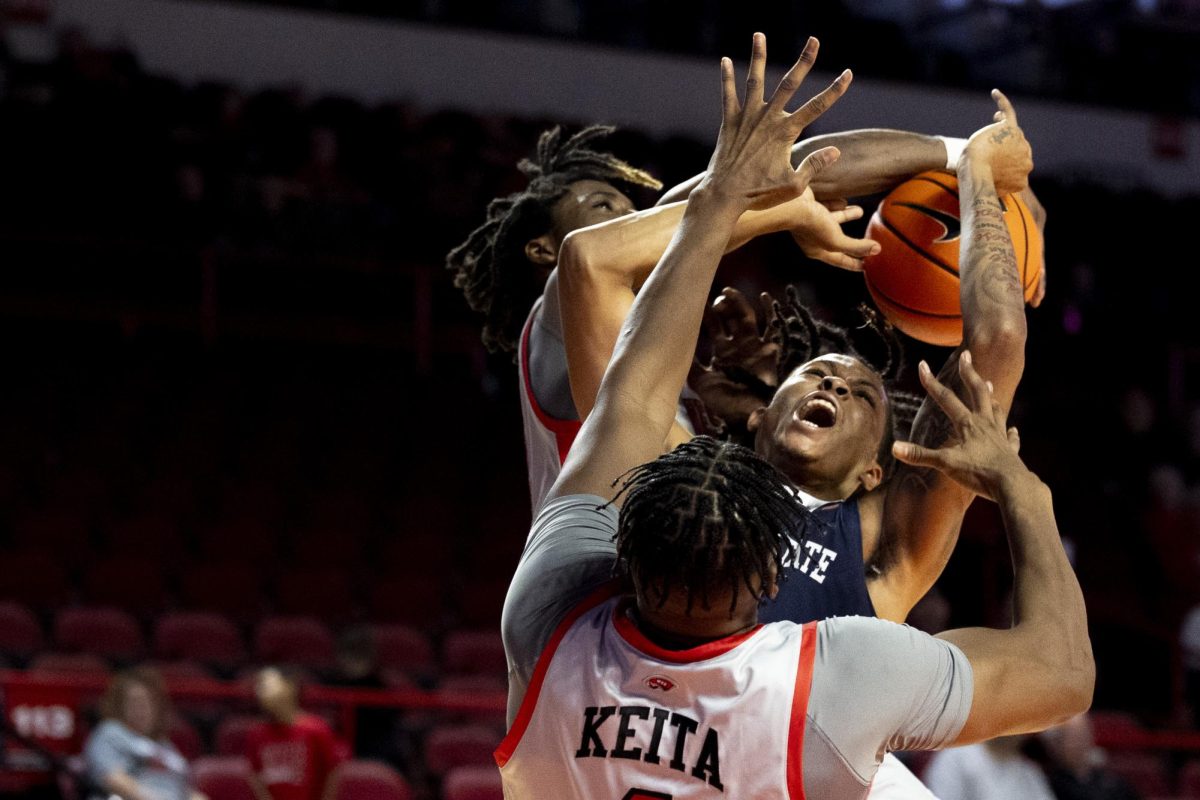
(472, 783)
(1143, 771)
(134, 584)
(224, 778)
(367, 780)
(20, 631)
(230, 736)
(148, 535)
(247, 539)
(208, 638)
(103, 631)
(402, 647)
(1189, 780)
(450, 746)
(34, 578)
(69, 664)
(413, 600)
(57, 530)
(182, 670)
(293, 640)
(231, 589)
(474, 652)
(185, 737)
(320, 593)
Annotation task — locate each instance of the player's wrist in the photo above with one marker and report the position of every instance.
(715, 200)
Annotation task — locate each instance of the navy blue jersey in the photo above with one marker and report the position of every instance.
(826, 576)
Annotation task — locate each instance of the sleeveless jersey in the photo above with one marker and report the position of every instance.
(610, 716)
(549, 438)
(826, 576)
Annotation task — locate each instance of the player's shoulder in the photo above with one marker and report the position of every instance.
(571, 510)
(855, 639)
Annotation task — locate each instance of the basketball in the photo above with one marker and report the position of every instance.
(914, 278)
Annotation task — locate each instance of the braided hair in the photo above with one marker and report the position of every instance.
(802, 338)
(490, 266)
(708, 516)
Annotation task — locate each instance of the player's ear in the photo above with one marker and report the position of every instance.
(872, 476)
(542, 251)
(755, 420)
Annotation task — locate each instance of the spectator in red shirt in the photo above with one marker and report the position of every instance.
(294, 752)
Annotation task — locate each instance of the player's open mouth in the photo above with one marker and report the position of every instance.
(817, 412)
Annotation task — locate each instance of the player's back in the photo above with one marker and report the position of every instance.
(610, 715)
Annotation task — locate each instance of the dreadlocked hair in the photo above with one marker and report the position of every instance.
(708, 516)
(490, 266)
(802, 338)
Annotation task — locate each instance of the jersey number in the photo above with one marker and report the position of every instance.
(642, 794)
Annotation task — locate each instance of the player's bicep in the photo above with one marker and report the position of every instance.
(1014, 691)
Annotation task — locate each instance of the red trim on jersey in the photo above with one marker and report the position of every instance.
(630, 633)
(525, 713)
(795, 745)
(564, 430)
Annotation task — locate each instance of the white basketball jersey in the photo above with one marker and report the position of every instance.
(547, 439)
(611, 716)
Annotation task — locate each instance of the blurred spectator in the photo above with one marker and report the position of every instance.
(995, 770)
(128, 754)
(1076, 766)
(294, 752)
(358, 668)
(1189, 643)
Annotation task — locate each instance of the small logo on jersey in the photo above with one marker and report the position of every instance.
(951, 224)
(659, 682)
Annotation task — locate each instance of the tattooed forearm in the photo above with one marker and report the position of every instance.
(991, 284)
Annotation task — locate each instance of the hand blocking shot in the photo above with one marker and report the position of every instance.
(662, 683)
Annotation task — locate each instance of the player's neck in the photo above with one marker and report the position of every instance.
(675, 632)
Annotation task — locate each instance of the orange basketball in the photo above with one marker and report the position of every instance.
(914, 279)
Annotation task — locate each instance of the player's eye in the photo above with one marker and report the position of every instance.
(605, 204)
(870, 398)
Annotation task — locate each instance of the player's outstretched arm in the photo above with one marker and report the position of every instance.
(873, 160)
(750, 168)
(922, 510)
(1041, 670)
(601, 268)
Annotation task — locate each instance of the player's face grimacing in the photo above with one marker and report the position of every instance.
(825, 425)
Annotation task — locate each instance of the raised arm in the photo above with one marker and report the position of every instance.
(915, 522)
(873, 160)
(601, 269)
(1040, 671)
(636, 402)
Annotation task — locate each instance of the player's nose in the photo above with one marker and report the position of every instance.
(832, 383)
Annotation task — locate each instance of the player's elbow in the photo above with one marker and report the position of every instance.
(576, 255)
(1001, 336)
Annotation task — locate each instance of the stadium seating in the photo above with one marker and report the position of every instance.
(148, 535)
(20, 631)
(1143, 771)
(207, 638)
(478, 651)
(320, 592)
(133, 583)
(1189, 780)
(415, 600)
(185, 737)
(224, 778)
(402, 647)
(449, 746)
(293, 640)
(106, 632)
(367, 780)
(472, 783)
(69, 664)
(231, 589)
(230, 736)
(34, 578)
